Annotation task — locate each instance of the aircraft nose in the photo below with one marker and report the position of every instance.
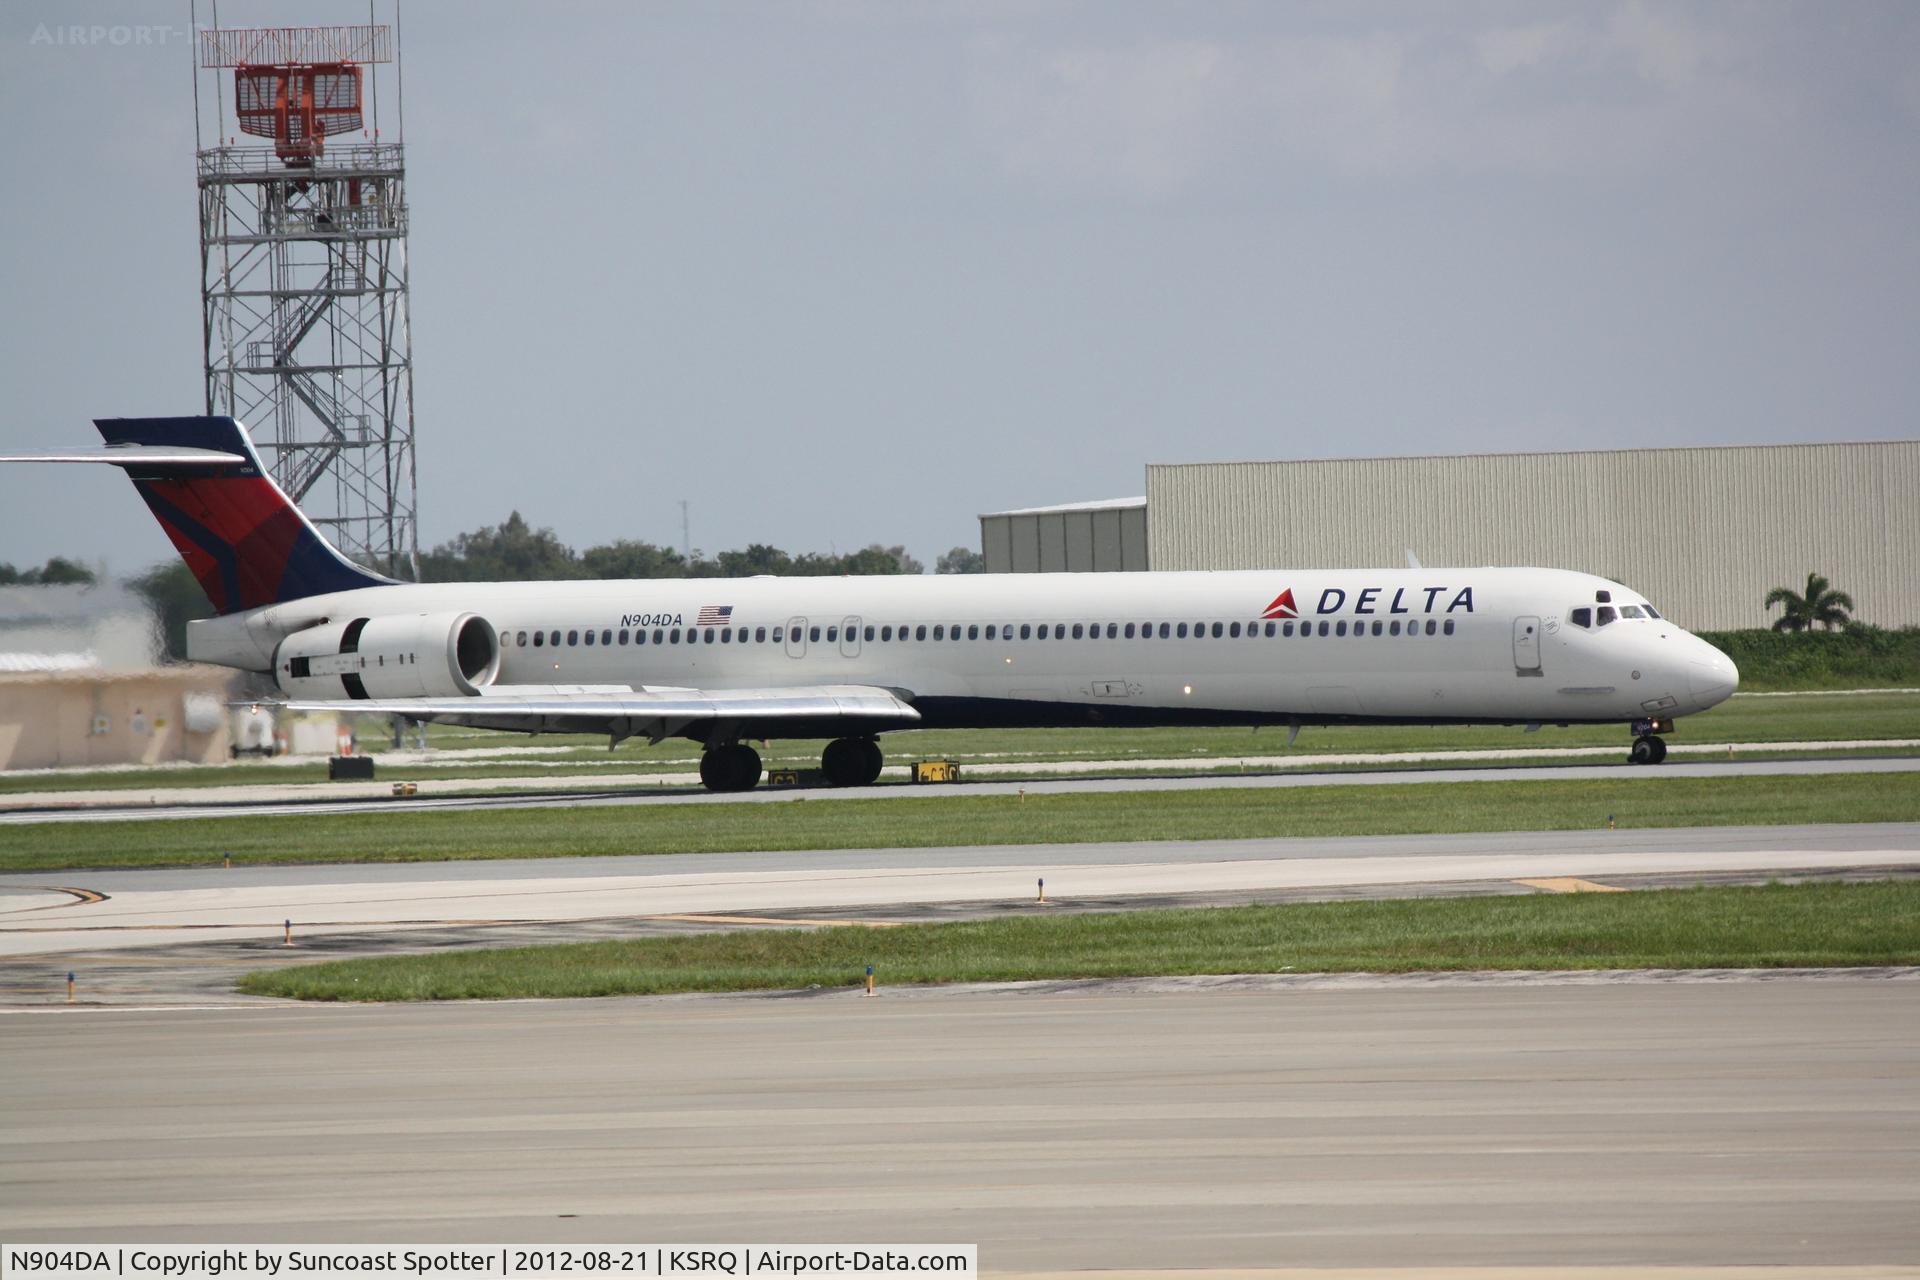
(1711, 677)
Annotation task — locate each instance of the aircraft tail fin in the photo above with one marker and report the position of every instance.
(246, 542)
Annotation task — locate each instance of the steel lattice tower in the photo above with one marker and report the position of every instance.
(303, 275)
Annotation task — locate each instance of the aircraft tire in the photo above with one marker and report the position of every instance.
(872, 760)
(844, 762)
(1641, 751)
(733, 767)
(1659, 746)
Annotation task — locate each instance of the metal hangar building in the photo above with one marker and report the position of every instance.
(1703, 532)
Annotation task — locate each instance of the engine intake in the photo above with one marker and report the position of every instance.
(410, 656)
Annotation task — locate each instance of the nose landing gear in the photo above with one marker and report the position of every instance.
(1647, 748)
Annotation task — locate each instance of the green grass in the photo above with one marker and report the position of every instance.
(1857, 658)
(1758, 720)
(1766, 927)
(1638, 798)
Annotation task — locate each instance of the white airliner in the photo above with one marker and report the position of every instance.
(725, 661)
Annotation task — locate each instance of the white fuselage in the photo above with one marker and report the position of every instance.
(1414, 646)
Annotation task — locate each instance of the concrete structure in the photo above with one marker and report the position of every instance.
(50, 719)
(1705, 533)
(1078, 537)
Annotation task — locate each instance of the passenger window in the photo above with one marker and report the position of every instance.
(991, 630)
(640, 637)
(1376, 628)
(1448, 628)
(656, 635)
(1129, 631)
(1340, 627)
(1286, 629)
(673, 636)
(939, 632)
(623, 635)
(1219, 630)
(759, 635)
(606, 635)
(539, 638)
(707, 635)
(953, 631)
(1393, 628)
(726, 635)
(573, 637)
(1581, 617)
(553, 638)
(1603, 615)
(973, 631)
(813, 633)
(521, 639)
(1079, 632)
(1430, 626)
(1181, 631)
(1324, 629)
(1026, 630)
(778, 634)
(867, 634)
(589, 637)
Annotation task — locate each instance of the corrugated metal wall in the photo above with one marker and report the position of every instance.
(1703, 533)
(1097, 540)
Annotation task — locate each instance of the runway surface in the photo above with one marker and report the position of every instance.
(45, 913)
(1762, 1123)
(603, 795)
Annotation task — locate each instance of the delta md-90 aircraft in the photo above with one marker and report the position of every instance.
(727, 661)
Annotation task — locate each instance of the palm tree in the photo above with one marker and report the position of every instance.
(1820, 604)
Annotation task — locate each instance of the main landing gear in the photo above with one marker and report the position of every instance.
(1648, 749)
(732, 766)
(851, 762)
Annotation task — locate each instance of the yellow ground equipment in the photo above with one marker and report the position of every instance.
(935, 771)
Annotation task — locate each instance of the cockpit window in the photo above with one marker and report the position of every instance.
(1603, 615)
(1651, 611)
(1582, 617)
(1631, 611)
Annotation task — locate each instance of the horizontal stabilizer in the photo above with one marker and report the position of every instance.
(135, 455)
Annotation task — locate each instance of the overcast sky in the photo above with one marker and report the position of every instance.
(838, 273)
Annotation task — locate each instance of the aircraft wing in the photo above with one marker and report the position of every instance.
(653, 713)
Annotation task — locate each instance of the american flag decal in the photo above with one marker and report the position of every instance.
(712, 615)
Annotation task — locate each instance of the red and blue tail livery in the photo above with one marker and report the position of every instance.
(245, 542)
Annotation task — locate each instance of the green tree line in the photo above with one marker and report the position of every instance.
(514, 551)
(57, 572)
